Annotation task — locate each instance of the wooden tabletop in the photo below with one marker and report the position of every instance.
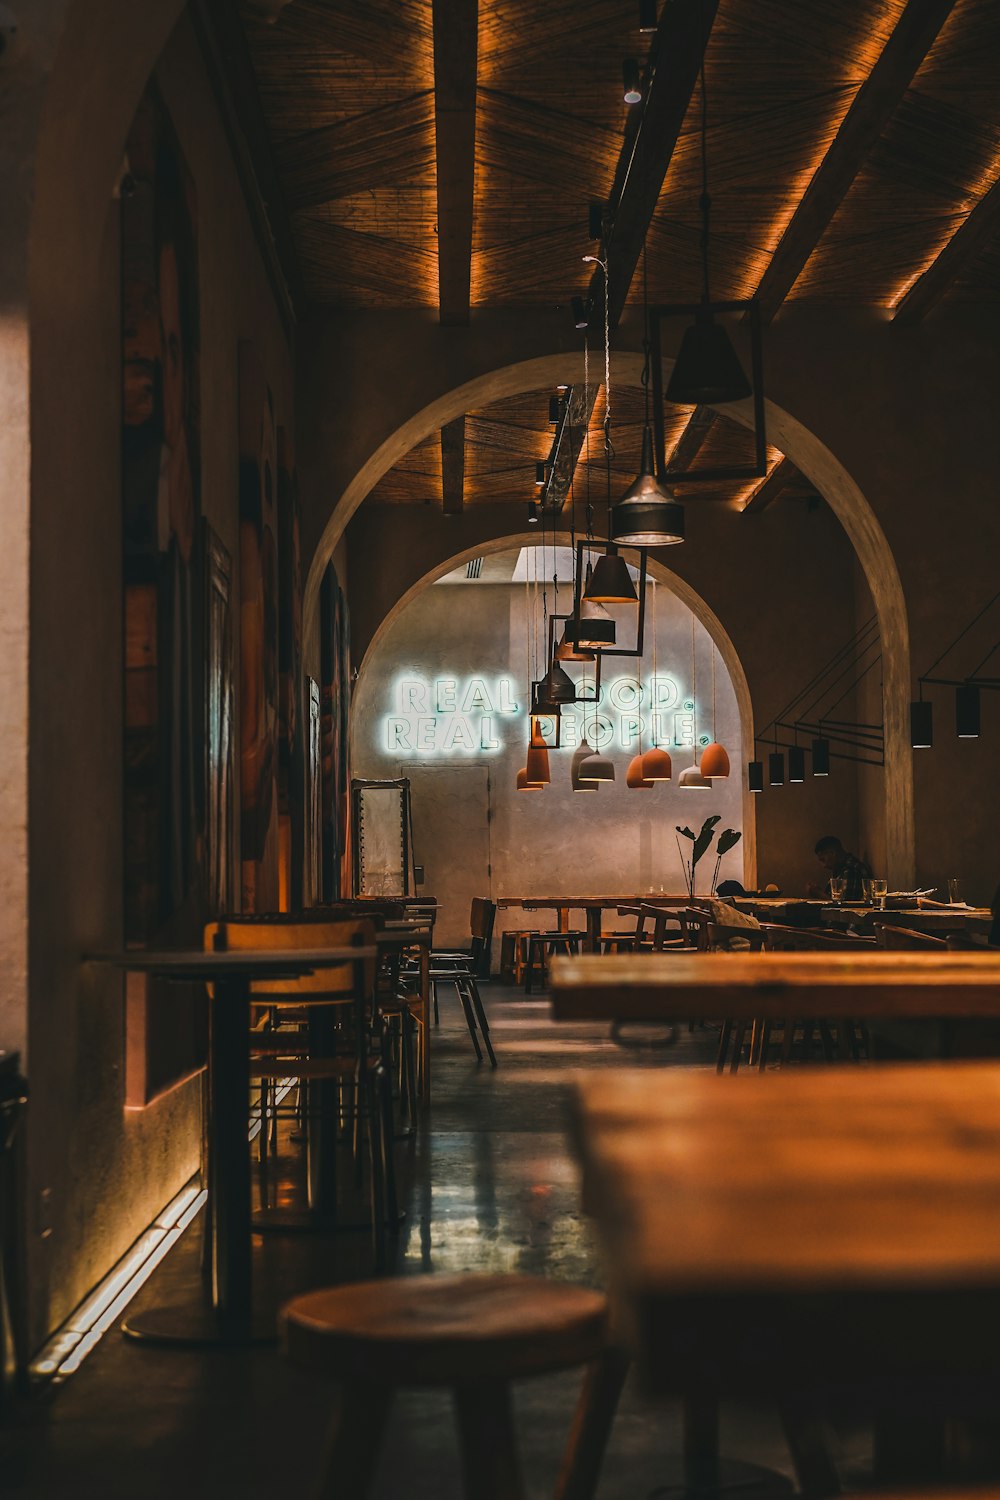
(270, 963)
(583, 902)
(747, 1219)
(773, 986)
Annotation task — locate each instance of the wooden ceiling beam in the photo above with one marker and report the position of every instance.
(974, 232)
(781, 476)
(456, 51)
(874, 104)
(673, 65)
(453, 466)
(691, 441)
(230, 70)
(675, 58)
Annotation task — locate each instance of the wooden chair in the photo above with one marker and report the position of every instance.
(460, 968)
(474, 1334)
(541, 947)
(900, 938)
(320, 1029)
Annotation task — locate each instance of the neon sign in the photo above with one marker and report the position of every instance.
(452, 716)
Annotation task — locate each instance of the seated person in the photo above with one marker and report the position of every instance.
(841, 866)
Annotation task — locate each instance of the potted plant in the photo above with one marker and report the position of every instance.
(700, 843)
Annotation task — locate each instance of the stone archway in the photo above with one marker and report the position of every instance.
(806, 451)
(684, 592)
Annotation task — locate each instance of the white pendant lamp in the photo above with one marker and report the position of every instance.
(579, 756)
(597, 767)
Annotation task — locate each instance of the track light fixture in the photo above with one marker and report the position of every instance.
(632, 91)
(532, 513)
(541, 468)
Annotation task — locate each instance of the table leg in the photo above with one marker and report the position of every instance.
(425, 997)
(229, 1318)
(321, 1135)
(594, 915)
(703, 1474)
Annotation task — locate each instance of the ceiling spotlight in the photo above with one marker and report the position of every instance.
(630, 78)
(580, 318)
(540, 474)
(647, 15)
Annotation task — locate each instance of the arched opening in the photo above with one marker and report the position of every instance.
(450, 633)
(809, 454)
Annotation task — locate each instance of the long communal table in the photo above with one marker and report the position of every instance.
(789, 1233)
(593, 906)
(772, 986)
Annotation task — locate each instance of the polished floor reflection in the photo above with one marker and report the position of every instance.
(489, 1185)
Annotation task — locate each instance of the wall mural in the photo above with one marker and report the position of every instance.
(163, 559)
(259, 842)
(291, 737)
(335, 671)
(163, 587)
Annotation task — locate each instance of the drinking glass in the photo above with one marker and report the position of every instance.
(880, 889)
(838, 885)
(866, 889)
(954, 890)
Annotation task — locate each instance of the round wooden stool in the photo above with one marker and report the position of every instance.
(474, 1334)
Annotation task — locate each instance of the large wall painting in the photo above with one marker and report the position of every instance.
(259, 841)
(164, 813)
(335, 671)
(291, 739)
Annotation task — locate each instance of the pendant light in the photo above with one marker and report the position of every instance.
(524, 785)
(568, 650)
(755, 776)
(611, 582)
(691, 778)
(714, 757)
(579, 756)
(597, 628)
(821, 757)
(597, 767)
(656, 763)
(967, 711)
(776, 768)
(557, 686)
(634, 779)
(647, 515)
(708, 370)
(796, 763)
(921, 725)
(537, 764)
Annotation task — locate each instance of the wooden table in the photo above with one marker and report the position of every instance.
(593, 906)
(800, 1231)
(773, 986)
(228, 1316)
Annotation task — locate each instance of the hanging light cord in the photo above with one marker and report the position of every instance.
(715, 722)
(652, 688)
(705, 202)
(694, 694)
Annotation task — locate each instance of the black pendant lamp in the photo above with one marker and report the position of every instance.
(557, 686)
(647, 515)
(821, 757)
(921, 725)
(755, 775)
(776, 768)
(967, 711)
(611, 582)
(708, 369)
(796, 763)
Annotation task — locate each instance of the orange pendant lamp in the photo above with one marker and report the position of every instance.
(634, 778)
(714, 757)
(656, 765)
(524, 785)
(537, 764)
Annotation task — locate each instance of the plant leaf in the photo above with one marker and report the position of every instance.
(727, 839)
(686, 832)
(704, 838)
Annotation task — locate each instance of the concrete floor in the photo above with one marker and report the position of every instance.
(490, 1184)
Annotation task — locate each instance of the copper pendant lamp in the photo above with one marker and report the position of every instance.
(537, 764)
(647, 515)
(657, 765)
(524, 785)
(557, 686)
(634, 779)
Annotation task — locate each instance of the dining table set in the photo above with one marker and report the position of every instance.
(801, 1232)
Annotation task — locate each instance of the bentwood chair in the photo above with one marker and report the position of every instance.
(321, 1029)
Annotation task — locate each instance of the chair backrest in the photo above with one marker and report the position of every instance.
(694, 925)
(254, 934)
(734, 939)
(481, 921)
(778, 939)
(898, 938)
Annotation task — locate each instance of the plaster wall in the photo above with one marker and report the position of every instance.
(556, 841)
(780, 584)
(98, 1174)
